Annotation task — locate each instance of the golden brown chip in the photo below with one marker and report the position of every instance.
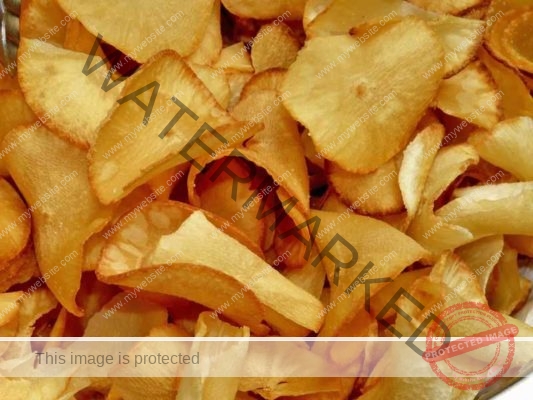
(19, 270)
(70, 103)
(285, 9)
(14, 225)
(211, 45)
(52, 174)
(508, 146)
(359, 102)
(471, 95)
(275, 46)
(447, 6)
(375, 193)
(7, 81)
(13, 112)
(129, 153)
(177, 25)
(79, 39)
(516, 100)
(508, 38)
(523, 244)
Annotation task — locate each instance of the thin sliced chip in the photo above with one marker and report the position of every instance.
(416, 164)
(359, 102)
(235, 58)
(275, 46)
(375, 193)
(373, 240)
(516, 100)
(13, 112)
(276, 148)
(237, 81)
(504, 291)
(43, 19)
(507, 204)
(337, 17)
(126, 316)
(288, 9)
(438, 233)
(211, 45)
(217, 195)
(460, 37)
(72, 104)
(267, 80)
(508, 146)
(177, 25)
(62, 206)
(509, 40)
(216, 83)
(79, 39)
(447, 6)
(129, 153)
(230, 359)
(125, 262)
(14, 226)
(481, 256)
(471, 95)
(273, 290)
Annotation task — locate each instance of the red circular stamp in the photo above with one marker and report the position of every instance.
(475, 361)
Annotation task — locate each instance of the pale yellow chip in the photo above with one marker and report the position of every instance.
(231, 359)
(235, 58)
(508, 204)
(267, 80)
(177, 25)
(275, 46)
(481, 256)
(361, 104)
(335, 17)
(375, 241)
(460, 37)
(375, 193)
(471, 95)
(13, 112)
(416, 164)
(508, 146)
(285, 9)
(79, 39)
(52, 174)
(44, 19)
(70, 103)
(125, 315)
